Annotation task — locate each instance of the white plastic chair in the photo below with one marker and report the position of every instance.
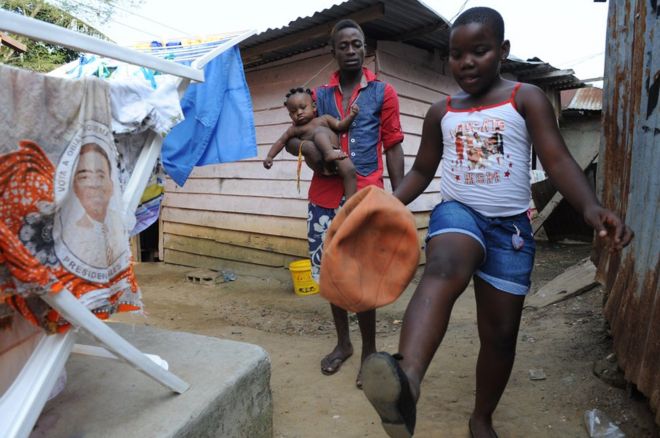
(22, 402)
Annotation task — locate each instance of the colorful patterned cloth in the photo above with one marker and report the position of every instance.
(62, 225)
(318, 222)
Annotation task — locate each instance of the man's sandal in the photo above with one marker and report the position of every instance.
(330, 366)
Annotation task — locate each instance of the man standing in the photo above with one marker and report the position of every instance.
(377, 128)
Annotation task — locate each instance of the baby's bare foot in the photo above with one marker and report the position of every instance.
(336, 154)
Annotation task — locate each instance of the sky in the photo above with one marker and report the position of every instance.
(565, 33)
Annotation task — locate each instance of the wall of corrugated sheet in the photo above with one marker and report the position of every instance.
(629, 183)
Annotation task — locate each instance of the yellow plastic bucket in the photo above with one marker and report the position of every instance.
(301, 274)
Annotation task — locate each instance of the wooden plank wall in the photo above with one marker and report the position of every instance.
(420, 78)
(243, 212)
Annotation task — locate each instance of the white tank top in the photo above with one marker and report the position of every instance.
(486, 158)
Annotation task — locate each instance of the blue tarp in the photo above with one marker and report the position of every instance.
(219, 122)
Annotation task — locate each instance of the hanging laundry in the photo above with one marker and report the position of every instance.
(142, 102)
(148, 210)
(137, 106)
(137, 111)
(219, 123)
(146, 214)
(62, 223)
(141, 98)
(87, 65)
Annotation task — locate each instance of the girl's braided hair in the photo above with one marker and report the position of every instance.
(296, 91)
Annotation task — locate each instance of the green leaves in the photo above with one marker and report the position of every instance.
(78, 15)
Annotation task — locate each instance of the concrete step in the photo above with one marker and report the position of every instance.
(229, 395)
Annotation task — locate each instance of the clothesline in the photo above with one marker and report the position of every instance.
(177, 43)
(39, 30)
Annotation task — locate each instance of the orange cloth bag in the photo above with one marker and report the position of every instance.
(370, 252)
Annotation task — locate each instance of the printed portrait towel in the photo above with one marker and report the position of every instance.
(62, 223)
(370, 252)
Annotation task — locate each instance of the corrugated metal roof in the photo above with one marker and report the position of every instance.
(541, 73)
(566, 96)
(410, 21)
(582, 99)
(402, 20)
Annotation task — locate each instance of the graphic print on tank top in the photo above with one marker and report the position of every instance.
(486, 158)
(480, 152)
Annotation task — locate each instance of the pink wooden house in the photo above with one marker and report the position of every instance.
(240, 212)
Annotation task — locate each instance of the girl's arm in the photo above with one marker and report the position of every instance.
(564, 172)
(428, 157)
(394, 160)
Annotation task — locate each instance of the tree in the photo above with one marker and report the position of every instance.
(95, 12)
(74, 15)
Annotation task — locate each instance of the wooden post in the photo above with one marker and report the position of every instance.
(12, 43)
(136, 251)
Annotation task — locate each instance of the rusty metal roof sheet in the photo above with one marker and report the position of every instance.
(582, 99)
(541, 73)
(403, 20)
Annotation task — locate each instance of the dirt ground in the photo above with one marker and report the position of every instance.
(260, 307)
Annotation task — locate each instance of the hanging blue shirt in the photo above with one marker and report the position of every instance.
(219, 122)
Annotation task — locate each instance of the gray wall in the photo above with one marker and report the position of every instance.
(582, 135)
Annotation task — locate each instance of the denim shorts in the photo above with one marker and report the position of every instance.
(504, 267)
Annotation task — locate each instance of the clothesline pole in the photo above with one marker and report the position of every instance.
(40, 30)
(141, 172)
(203, 60)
